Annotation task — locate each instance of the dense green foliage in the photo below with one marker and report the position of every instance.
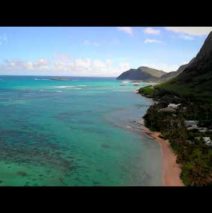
(188, 90)
(196, 79)
(147, 91)
(192, 153)
(192, 88)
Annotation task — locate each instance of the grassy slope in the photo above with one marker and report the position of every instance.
(196, 78)
(147, 91)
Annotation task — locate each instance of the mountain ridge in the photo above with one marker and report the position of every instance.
(196, 77)
(173, 74)
(143, 73)
(183, 99)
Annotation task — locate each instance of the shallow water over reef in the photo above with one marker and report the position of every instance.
(78, 132)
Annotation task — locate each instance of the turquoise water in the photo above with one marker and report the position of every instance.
(79, 132)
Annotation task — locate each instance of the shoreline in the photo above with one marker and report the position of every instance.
(170, 169)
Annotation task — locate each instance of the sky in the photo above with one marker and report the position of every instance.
(96, 51)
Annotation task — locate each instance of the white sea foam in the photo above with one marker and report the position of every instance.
(64, 87)
(125, 82)
(41, 79)
(67, 87)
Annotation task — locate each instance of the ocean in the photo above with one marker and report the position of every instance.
(77, 132)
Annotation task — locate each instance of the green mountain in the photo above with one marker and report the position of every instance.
(142, 73)
(170, 75)
(182, 100)
(196, 78)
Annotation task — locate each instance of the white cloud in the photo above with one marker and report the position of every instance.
(124, 66)
(151, 30)
(76, 67)
(148, 40)
(66, 66)
(192, 31)
(128, 30)
(40, 64)
(186, 37)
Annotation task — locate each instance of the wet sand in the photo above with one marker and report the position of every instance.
(171, 170)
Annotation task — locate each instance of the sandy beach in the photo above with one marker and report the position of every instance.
(171, 170)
